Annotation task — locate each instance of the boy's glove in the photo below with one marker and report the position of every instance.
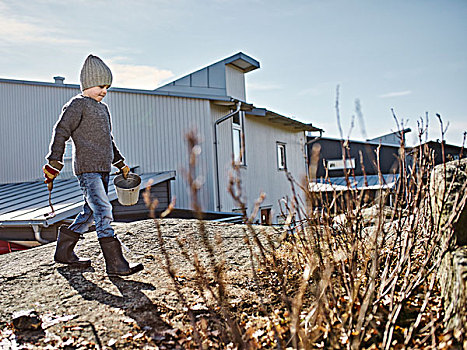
(124, 169)
(51, 170)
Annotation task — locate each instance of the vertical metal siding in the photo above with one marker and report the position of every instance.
(28, 114)
(224, 149)
(261, 140)
(235, 82)
(150, 131)
(261, 173)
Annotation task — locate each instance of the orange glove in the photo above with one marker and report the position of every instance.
(125, 171)
(50, 173)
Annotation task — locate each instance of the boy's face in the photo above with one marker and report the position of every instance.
(96, 92)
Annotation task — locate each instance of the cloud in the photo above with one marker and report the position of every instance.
(395, 94)
(137, 76)
(323, 88)
(21, 30)
(311, 92)
(264, 87)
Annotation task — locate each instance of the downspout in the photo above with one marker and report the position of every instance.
(37, 234)
(218, 121)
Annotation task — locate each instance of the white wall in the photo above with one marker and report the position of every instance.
(235, 82)
(260, 173)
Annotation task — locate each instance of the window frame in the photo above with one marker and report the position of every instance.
(238, 134)
(281, 156)
(339, 164)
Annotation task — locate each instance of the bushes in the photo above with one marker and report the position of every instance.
(367, 278)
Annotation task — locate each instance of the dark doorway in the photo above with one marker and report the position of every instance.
(266, 216)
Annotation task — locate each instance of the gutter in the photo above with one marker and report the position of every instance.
(36, 227)
(126, 90)
(216, 156)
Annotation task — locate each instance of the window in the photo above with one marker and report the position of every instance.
(238, 145)
(281, 159)
(338, 164)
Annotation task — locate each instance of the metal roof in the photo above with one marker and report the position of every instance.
(369, 182)
(274, 117)
(25, 204)
(117, 89)
(242, 61)
(367, 142)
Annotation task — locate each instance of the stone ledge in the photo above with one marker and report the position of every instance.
(453, 269)
(453, 281)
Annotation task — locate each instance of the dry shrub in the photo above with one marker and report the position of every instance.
(342, 272)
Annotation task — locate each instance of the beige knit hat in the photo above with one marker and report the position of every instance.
(94, 73)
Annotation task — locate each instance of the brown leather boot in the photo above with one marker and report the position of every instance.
(115, 262)
(66, 242)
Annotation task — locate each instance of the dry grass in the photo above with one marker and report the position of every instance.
(348, 273)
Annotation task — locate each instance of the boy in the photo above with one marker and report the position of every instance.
(87, 121)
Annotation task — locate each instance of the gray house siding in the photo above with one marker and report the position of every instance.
(260, 172)
(28, 113)
(235, 82)
(208, 81)
(150, 132)
(224, 153)
(262, 166)
(149, 128)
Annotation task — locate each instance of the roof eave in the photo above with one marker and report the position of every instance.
(242, 62)
(281, 120)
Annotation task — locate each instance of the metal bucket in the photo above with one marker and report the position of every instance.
(127, 189)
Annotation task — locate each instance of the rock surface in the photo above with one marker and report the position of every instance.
(453, 271)
(88, 307)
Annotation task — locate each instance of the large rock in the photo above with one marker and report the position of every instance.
(82, 307)
(453, 271)
(451, 191)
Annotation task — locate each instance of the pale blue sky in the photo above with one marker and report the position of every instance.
(408, 55)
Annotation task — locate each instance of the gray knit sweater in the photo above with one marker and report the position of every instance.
(88, 124)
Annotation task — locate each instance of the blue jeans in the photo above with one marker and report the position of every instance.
(97, 207)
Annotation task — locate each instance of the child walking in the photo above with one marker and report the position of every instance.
(86, 119)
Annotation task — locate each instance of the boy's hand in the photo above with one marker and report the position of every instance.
(125, 171)
(50, 173)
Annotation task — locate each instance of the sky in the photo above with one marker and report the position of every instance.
(385, 64)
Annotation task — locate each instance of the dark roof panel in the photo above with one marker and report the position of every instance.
(28, 203)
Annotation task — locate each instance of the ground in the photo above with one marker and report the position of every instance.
(87, 309)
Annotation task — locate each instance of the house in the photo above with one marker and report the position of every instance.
(361, 157)
(395, 138)
(440, 150)
(366, 160)
(149, 127)
(344, 164)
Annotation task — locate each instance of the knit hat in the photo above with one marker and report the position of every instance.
(94, 73)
